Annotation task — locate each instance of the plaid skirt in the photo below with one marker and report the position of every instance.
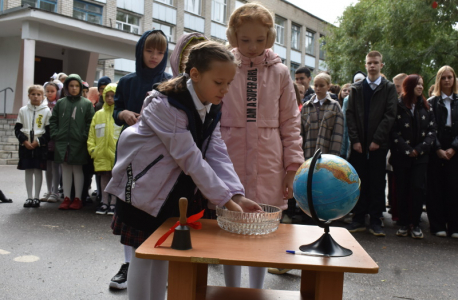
(130, 236)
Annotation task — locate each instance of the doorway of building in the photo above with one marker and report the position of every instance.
(45, 67)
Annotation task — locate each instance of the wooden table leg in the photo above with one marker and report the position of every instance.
(322, 285)
(185, 279)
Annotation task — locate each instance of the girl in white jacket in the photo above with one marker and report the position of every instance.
(32, 131)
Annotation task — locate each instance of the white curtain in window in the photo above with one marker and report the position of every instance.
(192, 6)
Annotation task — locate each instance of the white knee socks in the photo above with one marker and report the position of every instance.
(147, 279)
(29, 182)
(49, 174)
(128, 252)
(233, 276)
(77, 172)
(52, 176)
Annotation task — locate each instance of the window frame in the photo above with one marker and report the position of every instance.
(132, 26)
(296, 33)
(307, 42)
(88, 12)
(292, 70)
(167, 2)
(170, 38)
(37, 4)
(199, 13)
(223, 3)
(282, 30)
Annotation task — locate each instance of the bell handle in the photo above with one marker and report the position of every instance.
(183, 204)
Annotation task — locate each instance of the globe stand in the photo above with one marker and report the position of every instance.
(325, 245)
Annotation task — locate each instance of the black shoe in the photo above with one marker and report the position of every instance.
(377, 230)
(89, 200)
(111, 210)
(119, 281)
(102, 210)
(35, 202)
(356, 227)
(3, 198)
(28, 203)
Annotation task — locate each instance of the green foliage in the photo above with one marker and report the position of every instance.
(411, 35)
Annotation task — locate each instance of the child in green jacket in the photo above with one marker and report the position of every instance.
(70, 122)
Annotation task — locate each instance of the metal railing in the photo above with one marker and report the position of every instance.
(4, 99)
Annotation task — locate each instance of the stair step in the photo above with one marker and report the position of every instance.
(9, 139)
(9, 147)
(12, 161)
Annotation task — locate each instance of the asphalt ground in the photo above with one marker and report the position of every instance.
(50, 254)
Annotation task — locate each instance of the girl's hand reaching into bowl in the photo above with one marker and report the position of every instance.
(246, 204)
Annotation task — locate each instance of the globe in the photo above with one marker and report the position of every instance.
(335, 187)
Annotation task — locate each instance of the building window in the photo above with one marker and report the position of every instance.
(295, 36)
(239, 3)
(293, 69)
(219, 11)
(310, 42)
(166, 29)
(118, 75)
(48, 5)
(87, 12)
(127, 22)
(193, 6)
(169, 2)
(322, 52)
(280, 27)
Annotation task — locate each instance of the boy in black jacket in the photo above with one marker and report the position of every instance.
(370, 116)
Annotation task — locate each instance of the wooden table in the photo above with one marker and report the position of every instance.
(322, 277)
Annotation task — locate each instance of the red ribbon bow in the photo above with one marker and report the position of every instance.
(191, 222)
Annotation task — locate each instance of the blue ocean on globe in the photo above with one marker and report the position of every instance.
(335, 187)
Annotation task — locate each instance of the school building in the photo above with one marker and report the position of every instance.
(95, 38)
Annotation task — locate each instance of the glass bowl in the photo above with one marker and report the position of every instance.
(250, 223)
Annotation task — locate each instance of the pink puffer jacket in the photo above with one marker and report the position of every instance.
(261, 126)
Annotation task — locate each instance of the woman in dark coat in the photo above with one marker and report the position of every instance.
(442, 202)
(412, 137)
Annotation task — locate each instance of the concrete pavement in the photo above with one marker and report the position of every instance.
(50, 254)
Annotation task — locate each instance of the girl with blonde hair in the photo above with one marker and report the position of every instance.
(260, 121)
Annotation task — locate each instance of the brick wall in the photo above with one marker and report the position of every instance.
(66, 7)
(147, 19)
(179, 30)
(109, 69)
(12, 3)
(110, 13)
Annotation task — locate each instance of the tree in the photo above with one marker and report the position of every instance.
(412, 36)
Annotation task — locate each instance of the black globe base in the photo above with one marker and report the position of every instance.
(325, 246)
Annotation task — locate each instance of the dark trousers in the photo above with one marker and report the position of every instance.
(442, 200)
(410, 192)
(371, 171)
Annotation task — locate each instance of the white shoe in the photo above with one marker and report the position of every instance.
(443, 234)
(45, 197)
(455, 235)
(53, 198)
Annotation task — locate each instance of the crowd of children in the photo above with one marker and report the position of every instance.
(183, 136)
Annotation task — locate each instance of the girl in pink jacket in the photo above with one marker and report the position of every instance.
(175, 147)
(260, 120)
